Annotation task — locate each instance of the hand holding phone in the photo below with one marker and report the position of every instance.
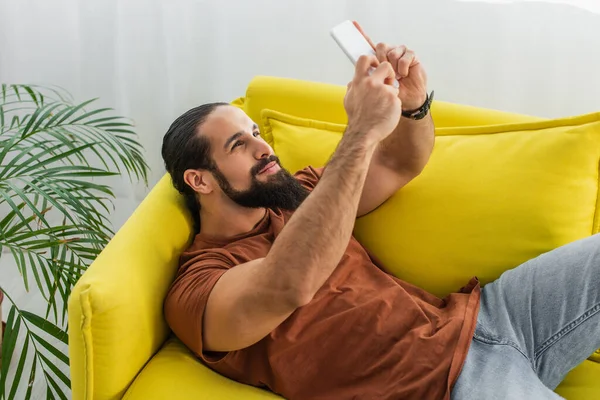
(371, 102)
(353, 42)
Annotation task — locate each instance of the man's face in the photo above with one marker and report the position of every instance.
(246, 169)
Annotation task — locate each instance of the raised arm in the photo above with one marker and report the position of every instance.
(402, 155)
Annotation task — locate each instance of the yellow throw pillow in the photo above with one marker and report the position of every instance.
(300, 142)
(490, 198)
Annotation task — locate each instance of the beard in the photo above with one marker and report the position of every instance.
(281, 190)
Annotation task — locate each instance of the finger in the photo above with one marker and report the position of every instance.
(360, 29)
(408, 60)
(364, 64)
(381, 50)
(395, 91)
(394, 55)
(384, 72)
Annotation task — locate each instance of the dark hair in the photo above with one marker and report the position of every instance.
(185, 148)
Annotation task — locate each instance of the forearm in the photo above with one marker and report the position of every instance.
(408, 148)
(312, 243)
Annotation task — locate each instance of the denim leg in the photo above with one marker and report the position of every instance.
(498, 371)
(548, 308)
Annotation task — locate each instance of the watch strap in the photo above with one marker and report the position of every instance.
(422, 111)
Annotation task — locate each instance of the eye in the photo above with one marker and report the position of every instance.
(236, 144)
(256, 133)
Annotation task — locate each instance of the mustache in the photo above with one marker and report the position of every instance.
(263, 163)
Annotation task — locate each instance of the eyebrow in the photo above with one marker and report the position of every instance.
(236, 136)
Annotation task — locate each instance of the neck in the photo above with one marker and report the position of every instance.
(229, 220)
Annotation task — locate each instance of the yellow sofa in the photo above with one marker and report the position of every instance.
(120, 345)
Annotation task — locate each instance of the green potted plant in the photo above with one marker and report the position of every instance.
(55, 156)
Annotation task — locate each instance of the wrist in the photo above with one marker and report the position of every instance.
(415, 103)
(420, 112)
(364, 137)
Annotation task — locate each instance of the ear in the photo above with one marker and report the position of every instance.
(199, 181)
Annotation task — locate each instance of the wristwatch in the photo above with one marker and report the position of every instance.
(422, 111)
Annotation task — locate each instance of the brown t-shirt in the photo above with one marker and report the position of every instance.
(365, 334)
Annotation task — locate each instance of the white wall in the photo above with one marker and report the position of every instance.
(154, 59)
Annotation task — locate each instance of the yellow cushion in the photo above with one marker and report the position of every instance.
(489, 199)
(582, 383)
(174, 373)
(299, 142)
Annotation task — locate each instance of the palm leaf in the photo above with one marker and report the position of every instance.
(6, 221)
(7, 146)
(40, 165)
(33, 94)
(88, 115)
(73, 110)
(21, 266)
(29, 325)
(56, 387)
(26, 152)
(47, 111)
(13, 325)
(19, 371)
(8, 199)
(30, 381)
(27, 201)
(47, 175)
(59, 115)
(30, 120)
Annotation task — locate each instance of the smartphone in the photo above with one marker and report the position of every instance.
(351, 41)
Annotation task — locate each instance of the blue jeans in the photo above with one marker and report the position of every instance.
(536, 323)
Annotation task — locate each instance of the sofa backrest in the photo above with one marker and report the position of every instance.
(323, 102)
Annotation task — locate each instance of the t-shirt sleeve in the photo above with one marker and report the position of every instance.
(186, 301)
(309, 176)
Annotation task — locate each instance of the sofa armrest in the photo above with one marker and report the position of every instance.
(116, 321)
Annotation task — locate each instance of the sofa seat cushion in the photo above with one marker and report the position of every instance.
(175, 373)
(582, 383)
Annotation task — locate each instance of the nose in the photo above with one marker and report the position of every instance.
(261, 149)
